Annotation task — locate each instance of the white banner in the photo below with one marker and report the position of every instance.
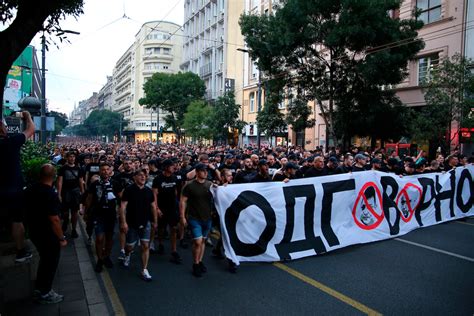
(282, 221)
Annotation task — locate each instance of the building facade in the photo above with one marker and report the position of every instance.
(105, 97)
(211, 38)
(157, 48)
(448, 30)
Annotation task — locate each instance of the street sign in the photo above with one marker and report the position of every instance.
(229, 84)
(49, 123)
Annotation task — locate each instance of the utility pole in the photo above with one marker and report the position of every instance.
(259, 106)
(157, 125)
(43, 89)
(151, 125)
(120, 128)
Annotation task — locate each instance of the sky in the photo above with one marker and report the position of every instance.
(79, 68)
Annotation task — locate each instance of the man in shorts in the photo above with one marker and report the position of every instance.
(100, 207)
(196, 202)
(138, 216)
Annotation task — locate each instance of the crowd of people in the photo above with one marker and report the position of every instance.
(153, 192)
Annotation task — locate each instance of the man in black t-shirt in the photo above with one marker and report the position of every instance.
(138, 216)
(246, 175)
(11, 183)
(262, 174)
(100, 207)
(318, 169)
(45, 232)
(70, 185)
(165, 192)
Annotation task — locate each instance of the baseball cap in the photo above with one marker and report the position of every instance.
(166, 163)
(333, 159)
(200, 167)
(291, 165)
(262, 162)
(376, 160)
(229, 156)
(360, 156)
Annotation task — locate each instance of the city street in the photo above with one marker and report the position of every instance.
(428, 271)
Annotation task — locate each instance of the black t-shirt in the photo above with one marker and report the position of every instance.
(124, 180)
(42, 202)
(232, 168)
(313, 172)
(260, 178)
(167, 187)
(11, 179)
(244, 176)
(199, 204)
(343, 169)
(71, 176)
(93, 169)
(104, 199)
(139, 205)
(358, 169)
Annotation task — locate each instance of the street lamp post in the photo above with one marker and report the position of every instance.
(259, 97)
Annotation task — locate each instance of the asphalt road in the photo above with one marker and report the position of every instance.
(428, 271)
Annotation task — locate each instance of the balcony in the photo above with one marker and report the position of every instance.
(164, 57)
(205, 70)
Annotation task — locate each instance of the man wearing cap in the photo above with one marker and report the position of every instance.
(287, 174)
(165, 192)
(332, 165)
(229, 164)
(377, 165)
(196, 202)
(262, 174)
(346, 166)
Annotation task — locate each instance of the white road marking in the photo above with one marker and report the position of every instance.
(435, 249)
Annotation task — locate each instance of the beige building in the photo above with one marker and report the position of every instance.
(448, 30)
(157, 48)
(211, 38)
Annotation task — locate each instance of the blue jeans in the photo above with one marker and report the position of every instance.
(134, 234)
(199, 229)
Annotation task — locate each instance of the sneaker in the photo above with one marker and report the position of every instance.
(209, 242)
(216, 253)
(152, 247)
(74, 234)
(202, 267)
(183, 244)
(122, 255)
(146, 275)
(108, 263)
(99, 266)
(161, 249)
(232, 267)
(126, 261)
(22, 255)
(176, 258)
(52, 292)
(197, 270)
(50, 298)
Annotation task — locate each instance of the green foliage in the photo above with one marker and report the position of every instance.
(449, 98)
(173, 93)
(270, 119)
(32, 157)
(198, 120)
(298, 115)
(225, 116)
(98, 123)
(60, 121)
(333, 52)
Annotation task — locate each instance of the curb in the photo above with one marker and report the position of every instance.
(97, 300)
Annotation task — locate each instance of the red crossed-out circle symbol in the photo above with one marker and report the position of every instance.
(408, 201)
(370, 208)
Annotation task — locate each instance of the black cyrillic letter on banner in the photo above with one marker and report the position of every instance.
(286, 246)
(244, 200)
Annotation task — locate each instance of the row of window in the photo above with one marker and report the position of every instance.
(155, 66)
(158, 36)
(157, 51)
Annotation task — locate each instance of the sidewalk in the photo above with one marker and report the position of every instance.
(76, 280)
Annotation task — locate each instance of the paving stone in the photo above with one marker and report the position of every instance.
(74, 306)
(98, 310)
(93, 292)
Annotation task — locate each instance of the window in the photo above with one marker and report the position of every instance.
(426, 66)
(430, 10)
(252, 102)
(166, 51)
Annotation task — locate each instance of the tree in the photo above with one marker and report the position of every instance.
(198, 121)
(298, 116)
(449, 97)
(173, 93)
(25, 19)
(333, 51)
(60, 122)
(271, 120)
(99, 123)
(225, 116)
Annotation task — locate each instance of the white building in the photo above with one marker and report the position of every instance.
(157, 48)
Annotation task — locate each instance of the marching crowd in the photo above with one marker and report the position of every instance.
(163, 191)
